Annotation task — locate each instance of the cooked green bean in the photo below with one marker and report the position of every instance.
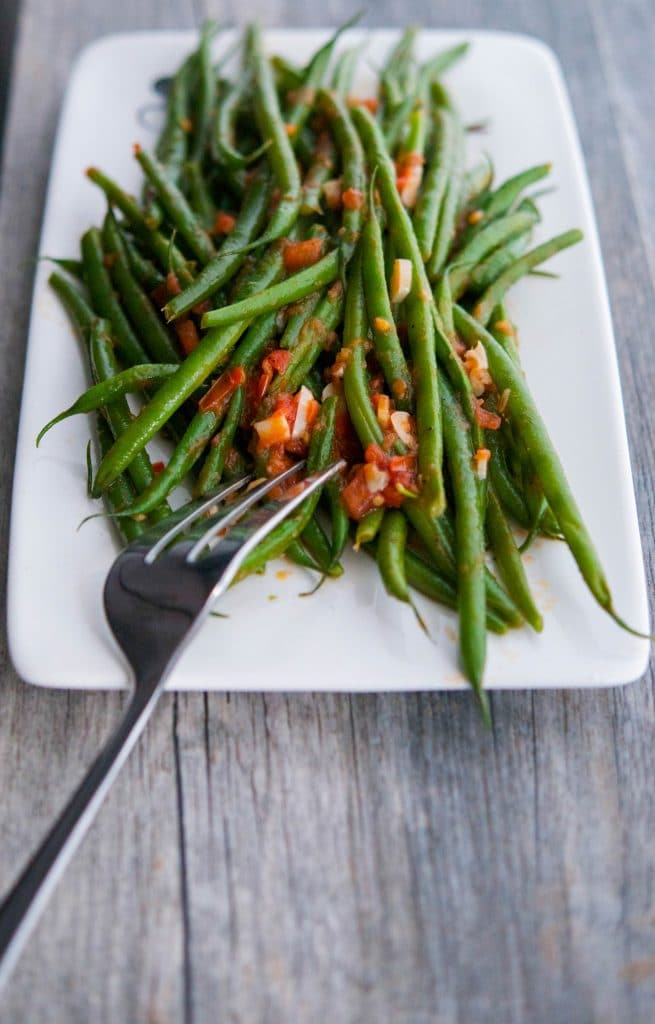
(104, 300)
(224, 264)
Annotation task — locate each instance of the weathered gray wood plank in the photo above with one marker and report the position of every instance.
(334, 858)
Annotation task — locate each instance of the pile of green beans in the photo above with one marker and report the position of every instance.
(313, 273)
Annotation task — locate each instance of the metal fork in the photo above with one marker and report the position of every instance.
(158, 592)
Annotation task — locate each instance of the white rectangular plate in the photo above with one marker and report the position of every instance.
(350, 635)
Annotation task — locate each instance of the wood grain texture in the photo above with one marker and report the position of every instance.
(334, 858)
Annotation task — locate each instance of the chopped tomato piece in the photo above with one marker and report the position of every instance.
(277, 360)
(352, 199)
(222, 388)
(298, 255)
(224, 223)
(187, 334)
(485, 418)
(173, 286)
(356, 497)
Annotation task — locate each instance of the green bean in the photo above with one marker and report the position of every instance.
(391, 554)
(292, 289)
(320, 170)
(143, 268)
(72, 267)
(471, 601)
(518, 269)
(126, 382)
(438, 539)
(121, 493)
(427, 581)
(104, 300)
(368, 527)
(271, 126)
(435, 182)
(339, 519)
(319, 458)
(299, 316)
(232, 100)
(313, 78)
(213, 350)
(153, 333)
(177, 207)
(74, 302)
(211, 472)
(163, 249)
(475, 185)
(527, 421)
(448, 211)
(314, 538)
(387, 346)
(355, 380)
(225, 263)
(104, 365)
(395, 125)
(444, 300)
(421, 327)
(498, 233)
(395, 80)
(206, 95)
(504, 197)
(344, 71)
(435, 66)
(352, 166)
(298, 553)
(508, 561)
(172, 146)
(486, 272)
(288, 76)
(503, 484)
(199, 195)
(315, 333)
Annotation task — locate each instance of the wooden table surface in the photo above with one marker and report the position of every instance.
(334, 858)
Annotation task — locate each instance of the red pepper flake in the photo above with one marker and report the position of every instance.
(221, 389)
(186, 124)
(487, 419)
(298, 255)
(224, 223)
(109, 259)
(158, 467)
(291, 129)
(352, 199)
(187, 334)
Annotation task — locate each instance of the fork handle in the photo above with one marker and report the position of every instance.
(21, 908)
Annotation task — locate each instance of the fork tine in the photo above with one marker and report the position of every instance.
(237, 510)
(180, 524)
(256, 527)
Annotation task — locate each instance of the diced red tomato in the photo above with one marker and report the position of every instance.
(187, 334)
(222, 389)
(487, 419)
(224, 223)
(298, 255)
(278, 360)
(352, 199)
(173, 286)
